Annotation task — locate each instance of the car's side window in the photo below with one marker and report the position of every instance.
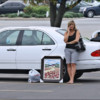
(8, 5)
(15, 4)
(44, 38)
(30, 38)
(36, 37)
(47, 40)
(9, 37)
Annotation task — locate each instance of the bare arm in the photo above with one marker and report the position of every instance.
(66, 35)
(76, 39)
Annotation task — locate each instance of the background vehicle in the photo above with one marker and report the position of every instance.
(77, 7)
(95, 3)
(22, 48)
(92, 11)
(81, 4)
(11, 7)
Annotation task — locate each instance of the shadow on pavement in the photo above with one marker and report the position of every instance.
(87, 81)
(14, 79)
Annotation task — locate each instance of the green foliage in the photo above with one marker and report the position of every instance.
(21, 15)
(26, 16)
(12, 15)
(2, 15)
(72, 15)
(36, 9)
(28, 9)
(38, 15)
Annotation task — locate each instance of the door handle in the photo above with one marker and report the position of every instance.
(46, 49)
(11, 49)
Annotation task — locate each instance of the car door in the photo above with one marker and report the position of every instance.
(8, 48)
(16, 6)
(34, 46)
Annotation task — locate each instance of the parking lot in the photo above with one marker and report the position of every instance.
(16, 86)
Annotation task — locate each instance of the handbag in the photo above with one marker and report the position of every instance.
(80, 47)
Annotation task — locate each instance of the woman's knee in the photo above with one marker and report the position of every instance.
(73, 64)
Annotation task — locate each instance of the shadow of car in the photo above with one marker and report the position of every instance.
(11, 7)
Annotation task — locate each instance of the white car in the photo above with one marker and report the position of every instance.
(22, 48)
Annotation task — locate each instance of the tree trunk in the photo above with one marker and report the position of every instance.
(56, 16)
(52, 13)
(60, 14)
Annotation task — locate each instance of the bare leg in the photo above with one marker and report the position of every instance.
(73, 71)
(69, 70)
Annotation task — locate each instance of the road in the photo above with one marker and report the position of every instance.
(17, 87)
(86, 25)
(87, 87)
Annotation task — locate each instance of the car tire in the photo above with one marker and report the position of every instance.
(90, 14)
(78, 74)
(65, 73)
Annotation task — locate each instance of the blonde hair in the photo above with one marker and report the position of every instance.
(72, 23)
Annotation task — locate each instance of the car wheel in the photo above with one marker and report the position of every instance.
(78, 74)
(65, 73)
(90, 14)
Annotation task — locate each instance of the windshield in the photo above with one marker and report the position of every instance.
(61, 31)
(84, 3)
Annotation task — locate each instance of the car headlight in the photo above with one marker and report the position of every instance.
(84, 9)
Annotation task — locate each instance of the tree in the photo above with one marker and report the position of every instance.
(57, 16)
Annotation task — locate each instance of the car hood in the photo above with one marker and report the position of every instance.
(85, 7)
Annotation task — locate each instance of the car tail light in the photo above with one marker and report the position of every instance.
(96, 53)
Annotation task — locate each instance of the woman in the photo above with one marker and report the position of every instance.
(71, 38)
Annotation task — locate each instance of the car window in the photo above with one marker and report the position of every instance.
(9, 37)
(8, 5)
(15, 4)
(30, 38)
(47, 40)
(61, 31)
(35, 37)
(44, 38)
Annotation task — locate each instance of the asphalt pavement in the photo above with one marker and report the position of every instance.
(86, 87)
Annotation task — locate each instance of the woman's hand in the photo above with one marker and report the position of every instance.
(68, 30)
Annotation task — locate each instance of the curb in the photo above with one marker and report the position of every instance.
(37, 19)
(20, 18)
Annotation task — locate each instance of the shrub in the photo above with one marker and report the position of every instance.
(27, 16)
(28, 9)
(40, 15)
(12, 15)
(68, 15)
(72, 14)
(33, 14)
(21, 15)
(36, 9)
(2, 15)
